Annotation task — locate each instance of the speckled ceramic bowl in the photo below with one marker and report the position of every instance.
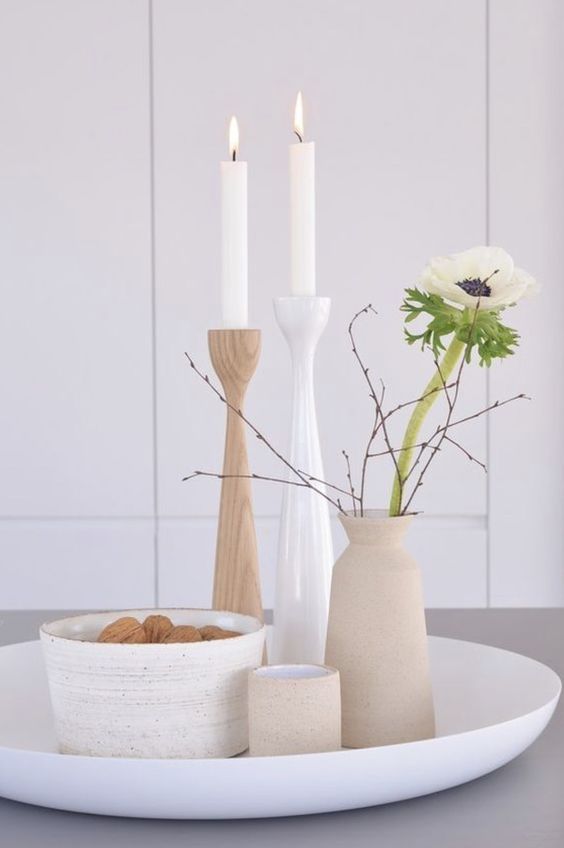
(186, 700)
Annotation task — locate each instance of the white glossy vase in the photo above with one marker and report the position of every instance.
(305, 552)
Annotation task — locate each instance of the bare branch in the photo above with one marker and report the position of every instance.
(406, 403)
(325, 483)
(397, 450)
(349, 478)
(466, 453)
(496, 405)
(218, 476)
(261, 437)
(443, 382)
(379, 418)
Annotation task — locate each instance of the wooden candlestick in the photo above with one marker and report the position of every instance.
(235, 354)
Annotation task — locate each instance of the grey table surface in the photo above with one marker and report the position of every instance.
(519, 805)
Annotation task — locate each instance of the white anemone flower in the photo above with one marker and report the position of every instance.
(482, 276)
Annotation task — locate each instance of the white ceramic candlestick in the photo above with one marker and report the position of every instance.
(305, 554)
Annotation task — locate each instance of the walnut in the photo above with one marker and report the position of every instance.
(157, 627)
(211, 632)
(183, 633)
(126, 629)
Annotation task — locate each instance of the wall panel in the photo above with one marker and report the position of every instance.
(527, 217)
(78, 564)
(75, 327)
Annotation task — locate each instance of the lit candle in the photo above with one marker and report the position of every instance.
(234, 279)
(302, 208)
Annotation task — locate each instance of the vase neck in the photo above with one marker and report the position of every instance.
(376, 528)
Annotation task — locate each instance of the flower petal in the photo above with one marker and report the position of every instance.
(443, 276)
(532, 286)
(485, 261)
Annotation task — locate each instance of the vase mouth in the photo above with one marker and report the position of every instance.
(375, 527)
(374, 515)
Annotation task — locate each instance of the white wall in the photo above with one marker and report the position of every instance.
(437, 127)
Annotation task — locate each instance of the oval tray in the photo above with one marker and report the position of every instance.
(491, 705)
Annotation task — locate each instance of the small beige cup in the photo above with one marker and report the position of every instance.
(294, 709)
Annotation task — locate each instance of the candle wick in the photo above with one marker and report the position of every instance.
(234, 156)
(299, 136)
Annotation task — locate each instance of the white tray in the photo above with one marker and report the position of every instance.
(491, 705)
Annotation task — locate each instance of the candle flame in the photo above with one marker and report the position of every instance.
(299, 117)
(233, 138)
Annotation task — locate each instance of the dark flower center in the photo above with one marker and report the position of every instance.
(475, 288)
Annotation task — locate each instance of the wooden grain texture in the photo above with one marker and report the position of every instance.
(235, 354)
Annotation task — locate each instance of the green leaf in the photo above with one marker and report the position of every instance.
(480, 329)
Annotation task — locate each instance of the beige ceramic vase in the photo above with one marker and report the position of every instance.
(377, 637)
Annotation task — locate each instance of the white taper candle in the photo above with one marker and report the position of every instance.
(234, 265)
(302, 209)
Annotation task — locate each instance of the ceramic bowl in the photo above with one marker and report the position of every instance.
(185, 700)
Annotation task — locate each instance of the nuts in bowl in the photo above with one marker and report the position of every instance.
(152, 683)
(160, 629)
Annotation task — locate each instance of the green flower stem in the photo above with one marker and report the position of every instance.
(428, 398)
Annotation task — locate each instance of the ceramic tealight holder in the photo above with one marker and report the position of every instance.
(294, 709)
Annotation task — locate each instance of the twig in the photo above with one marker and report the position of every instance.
(467, 453)
(495, 405)
(398, 450)
(443, 381)
(407, 403)
(422, 448)
(251, 476)
(379, 418)
(325, 483)
(440, 429)
(259, 435)
(351, 485)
